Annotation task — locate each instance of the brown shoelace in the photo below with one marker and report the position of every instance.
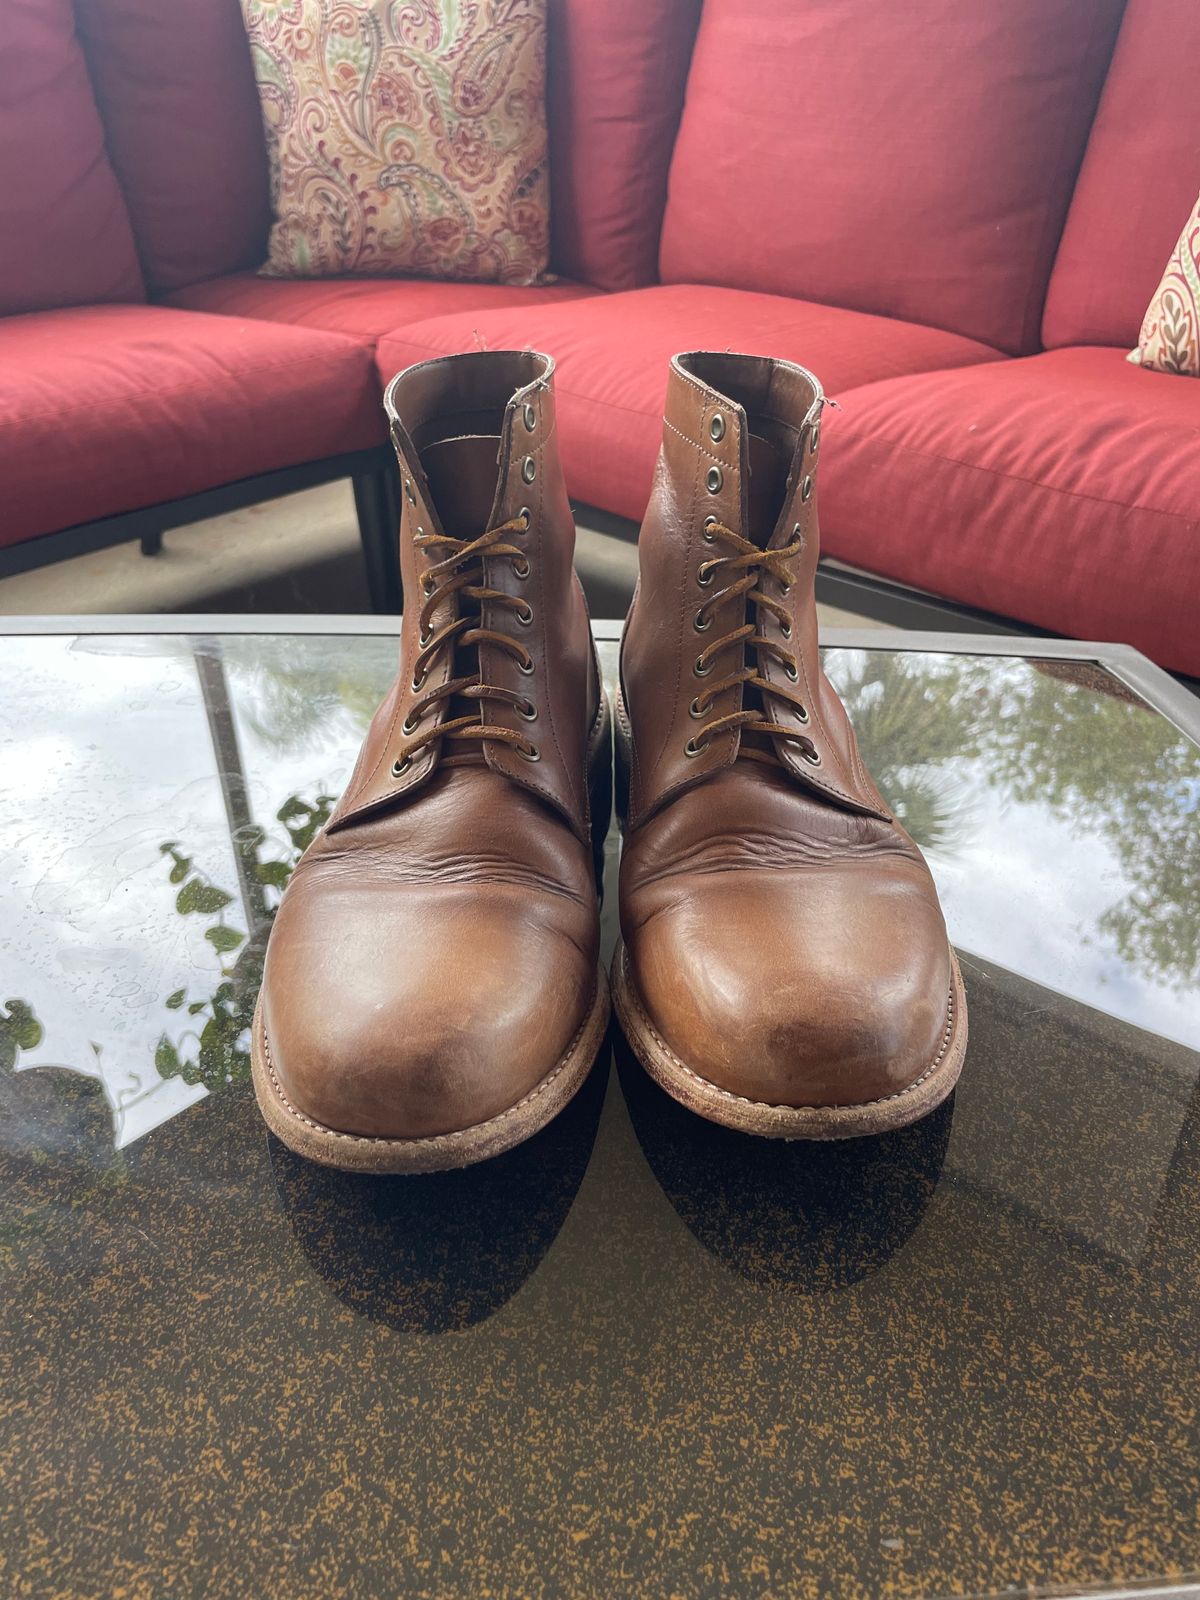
(747, 565)
(461, 572)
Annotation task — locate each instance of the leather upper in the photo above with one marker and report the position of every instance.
(435, 953)
(528, 485)
(782, 931)
(703, 473)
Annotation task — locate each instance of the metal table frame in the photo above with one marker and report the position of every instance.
(1158, 688)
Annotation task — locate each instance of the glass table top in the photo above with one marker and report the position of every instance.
(639, 1354)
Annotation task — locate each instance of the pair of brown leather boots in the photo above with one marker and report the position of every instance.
(432, 992)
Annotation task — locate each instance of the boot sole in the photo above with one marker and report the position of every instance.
(709, 1100)
(438, 1152)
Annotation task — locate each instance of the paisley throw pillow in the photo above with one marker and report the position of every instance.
(1170, 336)
(405, 136)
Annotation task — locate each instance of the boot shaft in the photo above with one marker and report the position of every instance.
(477, 450)
(736, 481)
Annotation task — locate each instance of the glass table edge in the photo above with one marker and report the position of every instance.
(1170, 698)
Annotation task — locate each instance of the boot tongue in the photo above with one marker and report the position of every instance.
(461, 473)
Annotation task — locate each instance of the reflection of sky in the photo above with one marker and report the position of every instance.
(107, 753)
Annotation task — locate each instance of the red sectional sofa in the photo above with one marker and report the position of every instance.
(956, 215)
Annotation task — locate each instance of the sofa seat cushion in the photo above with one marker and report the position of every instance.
(613, 352)
(110, 408)
(361, 308)
(1061, 490)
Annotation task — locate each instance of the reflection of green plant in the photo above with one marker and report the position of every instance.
(220, 1052)
(19, 1030)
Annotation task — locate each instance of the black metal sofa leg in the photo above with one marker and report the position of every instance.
(377, 502)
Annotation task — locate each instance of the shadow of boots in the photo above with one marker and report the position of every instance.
(442, 1252)
(801, 1215)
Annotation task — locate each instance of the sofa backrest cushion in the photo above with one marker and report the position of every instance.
(176, 90)
(614, 90)
(1140, 178)
(64, 230)
(915, 160)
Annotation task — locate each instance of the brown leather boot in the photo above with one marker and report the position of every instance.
(785, 968)
(431, 994)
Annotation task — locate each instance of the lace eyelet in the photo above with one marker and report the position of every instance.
(400, 766)
(785, 589)
(418, 681)
(410, 724)
(706, 531)
(521, 570)
(528, 469)
(525, 615)
(691, 749)
(785, 628)
(806, 488)
(700, 622)
(528, 752)
(714, 480)
(528, 710)
(705, 574)
(529, 416)
(525, 516)
(695, 711)
(700, 669)
(425, 636)
(428, 585)
(408, 492)
(814, 439)
(810, 753)
(525, 668)
(801, 714)
(791, 672)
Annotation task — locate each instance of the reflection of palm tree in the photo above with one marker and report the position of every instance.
(1067, 737)
(912, 716)
(1084, 750)
(286, 700)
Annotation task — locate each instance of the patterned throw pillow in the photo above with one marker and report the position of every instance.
(405, 136)
(1170, 336)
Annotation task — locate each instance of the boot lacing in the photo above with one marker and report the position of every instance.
(750, 563)
(461, 572)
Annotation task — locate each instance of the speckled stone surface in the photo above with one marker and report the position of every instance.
(640, 1354)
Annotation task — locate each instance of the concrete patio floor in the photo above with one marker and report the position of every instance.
(298, 554)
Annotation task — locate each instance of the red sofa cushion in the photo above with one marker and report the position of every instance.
(613, 351)
(176, 91)
(1061, 490)
(614, 90)
(363, 308)
(1140, 179)
(109, 408)
(915, 160)
(64, 229)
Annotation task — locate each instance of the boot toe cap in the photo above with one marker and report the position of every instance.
(798, 1016)
(411, 1041)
